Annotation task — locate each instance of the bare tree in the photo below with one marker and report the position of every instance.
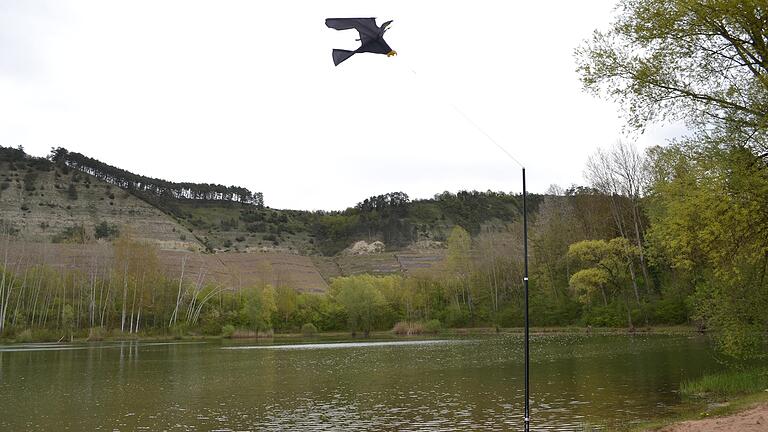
(602, 176)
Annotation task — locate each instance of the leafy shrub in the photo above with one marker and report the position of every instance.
(228, 224)
(105, 230)
(257, 227)
(73, 234)
(456, 317)
(227, 331)
(251, 216)
(308, 329)
(605, 316)
(433, 326)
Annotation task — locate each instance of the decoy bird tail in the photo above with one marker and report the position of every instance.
(339, 55)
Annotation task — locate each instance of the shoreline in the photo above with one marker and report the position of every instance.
(737, 413)
(383, 334)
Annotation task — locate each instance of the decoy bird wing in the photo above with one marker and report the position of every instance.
(365, 26)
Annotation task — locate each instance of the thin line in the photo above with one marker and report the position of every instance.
(487, 135)
(481, 130)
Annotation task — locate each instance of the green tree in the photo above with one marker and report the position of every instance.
(361, 300)
(605, 269)
(459, 264)
(709, 212)
(258, 307)
(286, 304)
(700, 61)
(68, 319)
(269, 306)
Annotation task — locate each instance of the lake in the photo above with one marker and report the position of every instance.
(467, 383)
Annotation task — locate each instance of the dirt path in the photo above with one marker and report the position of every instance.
(752, 420)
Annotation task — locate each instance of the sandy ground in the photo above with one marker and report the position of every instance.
(753, 420)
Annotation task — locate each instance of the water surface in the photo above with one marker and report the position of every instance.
(472, 383)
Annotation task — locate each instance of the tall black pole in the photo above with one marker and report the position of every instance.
(527, 417)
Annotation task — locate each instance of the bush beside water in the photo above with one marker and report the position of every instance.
(308, 329)
(227, 331)
(433, 326)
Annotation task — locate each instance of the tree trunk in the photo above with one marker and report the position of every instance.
(125, 297)
(643, 266)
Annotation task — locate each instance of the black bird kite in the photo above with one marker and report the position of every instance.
(371, 37)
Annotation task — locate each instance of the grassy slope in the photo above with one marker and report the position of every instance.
(43, 205)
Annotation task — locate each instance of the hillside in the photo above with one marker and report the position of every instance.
(68, 208)
(40, 202)
(50, 199)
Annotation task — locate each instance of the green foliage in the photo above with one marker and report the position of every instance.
(156, 191)
(308, 329)
(727, 384)
(611, 315)
(103, 230)
(469, 209)
(227, 331)
(73, 234)
(361, 298)
(604, 267)
(257, 227)
(709, 214)
(258, 307)
(433, 326)
(286, 303)
(704, 62)
(455, 316)
(459, 244)
(589, 282)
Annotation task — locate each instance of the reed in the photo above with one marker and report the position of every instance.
(725, 384)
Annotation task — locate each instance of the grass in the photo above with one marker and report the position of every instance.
(727, 384)
(716, 395)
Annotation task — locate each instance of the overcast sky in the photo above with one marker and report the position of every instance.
(245, 93)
